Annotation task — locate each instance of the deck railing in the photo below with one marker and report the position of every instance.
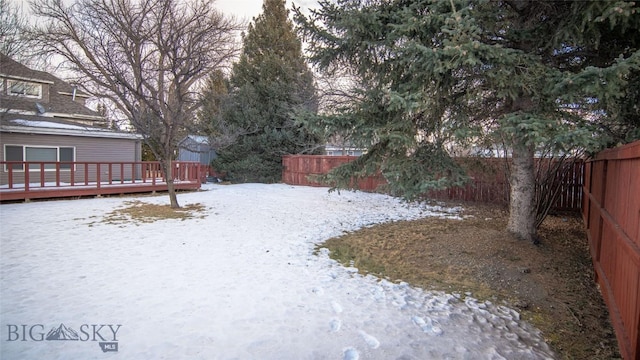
(41, 179)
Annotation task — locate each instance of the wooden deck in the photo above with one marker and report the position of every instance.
(76, 179)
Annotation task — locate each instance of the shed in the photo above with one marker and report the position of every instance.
(196, 148)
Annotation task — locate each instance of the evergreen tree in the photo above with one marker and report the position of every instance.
(528, 74)
(213, 101)
(213, 97)
(270, 82)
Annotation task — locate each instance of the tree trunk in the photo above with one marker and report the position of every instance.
(522, 207)
(168, 171)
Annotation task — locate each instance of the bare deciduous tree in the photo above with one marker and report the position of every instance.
(146, 56)
(12, 25)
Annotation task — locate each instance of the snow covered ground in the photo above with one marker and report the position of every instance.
(241, 283)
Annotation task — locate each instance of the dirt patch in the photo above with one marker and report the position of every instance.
(551, 284)
(136, 212)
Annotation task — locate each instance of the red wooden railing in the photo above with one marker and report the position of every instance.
(82, 178)
(611, 213)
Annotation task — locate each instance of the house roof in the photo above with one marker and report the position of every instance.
(330, 146)
(60, 111)
(60, 101)
(44, 126)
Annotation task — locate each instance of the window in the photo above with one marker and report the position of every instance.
(13, 153)
(66, 154)
(39, 153)
(24, 88)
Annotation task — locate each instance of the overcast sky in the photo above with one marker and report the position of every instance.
(242, 9)
(247, 9)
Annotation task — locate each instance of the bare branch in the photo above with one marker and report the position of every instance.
(147, 57)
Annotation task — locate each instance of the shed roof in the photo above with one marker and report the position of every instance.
(199, 139)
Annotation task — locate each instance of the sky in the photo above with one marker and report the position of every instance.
(247, 9)
(243, 9)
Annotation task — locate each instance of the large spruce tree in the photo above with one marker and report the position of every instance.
(525, 73)
(270, 82)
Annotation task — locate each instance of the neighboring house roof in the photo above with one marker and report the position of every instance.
(57, 109)
(59, 98)
(343, 147)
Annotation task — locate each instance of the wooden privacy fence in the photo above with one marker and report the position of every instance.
(301, 170)
(488, 182)
(611, 213)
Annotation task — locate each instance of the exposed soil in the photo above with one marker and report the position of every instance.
(551, 283)
(138, 212)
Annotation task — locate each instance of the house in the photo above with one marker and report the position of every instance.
(45, 119)
(343, 150)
